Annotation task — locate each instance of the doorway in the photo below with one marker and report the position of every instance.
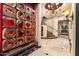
(63, 27)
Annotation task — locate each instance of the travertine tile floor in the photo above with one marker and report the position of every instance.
(53, 47)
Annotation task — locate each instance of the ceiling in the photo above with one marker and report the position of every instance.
(65, 9)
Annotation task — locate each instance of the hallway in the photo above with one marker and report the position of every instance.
(37, 29)
(53, 47)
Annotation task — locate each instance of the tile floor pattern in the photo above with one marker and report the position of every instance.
(53, 47)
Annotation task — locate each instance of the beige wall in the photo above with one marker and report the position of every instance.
(38, 24)
(72, 30)
(53, 22)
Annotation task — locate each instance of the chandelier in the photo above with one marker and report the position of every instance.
(53, 6)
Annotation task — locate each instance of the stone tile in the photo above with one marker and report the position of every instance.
(53, 47)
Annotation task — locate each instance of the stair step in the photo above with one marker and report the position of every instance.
(50, 35)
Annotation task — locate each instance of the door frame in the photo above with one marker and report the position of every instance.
(59, 25)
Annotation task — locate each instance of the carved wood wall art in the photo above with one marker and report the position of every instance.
(17, 20)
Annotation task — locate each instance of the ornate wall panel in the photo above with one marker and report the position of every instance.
(18, 25)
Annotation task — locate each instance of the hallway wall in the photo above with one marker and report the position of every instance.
(72, 30)
(38, 24)
(53, 22)
(51, 19)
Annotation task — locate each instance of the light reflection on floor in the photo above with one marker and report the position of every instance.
(53, 47)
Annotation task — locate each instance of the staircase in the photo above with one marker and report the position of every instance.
(50, 35)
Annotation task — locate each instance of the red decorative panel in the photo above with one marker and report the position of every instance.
(8, 44)
(20, 15)
(28, 39)
(20, 33)
(33, 30)
(33, 38)
(28, 18)
(28, 32)
(8, 33)
(9, 22)
(1, 28)
(28, 24)
(28, 11)
(8, 11)
(20, 41)
(18, 25)
(21, 7)
(11, 4)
